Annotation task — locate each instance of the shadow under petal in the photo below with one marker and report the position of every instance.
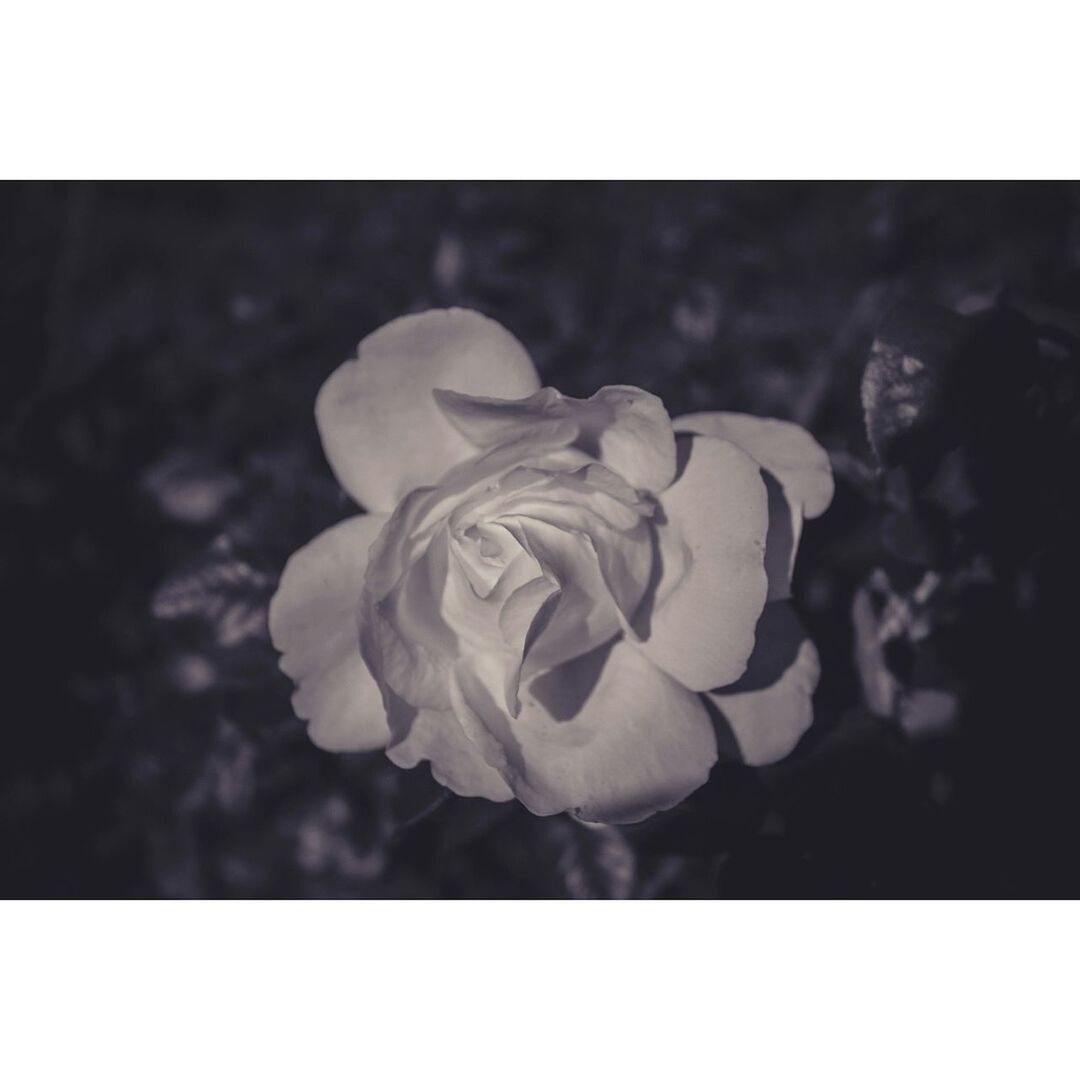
(641, 623)
(780, 540)
(563, 690)
(777, 637)
(761, 717)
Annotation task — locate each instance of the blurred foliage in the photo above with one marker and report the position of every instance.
(159, 462)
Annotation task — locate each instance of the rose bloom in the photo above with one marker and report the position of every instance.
(578, 604)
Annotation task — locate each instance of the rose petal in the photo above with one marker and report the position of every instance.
(381, 429)
(625, 428)
(770, 708)
(638, 441)
(489, 421)
(569, 498)
(344, 707)
(473, 615)
(608, 736)
(799, 478)
(486, 553)
(585, 614)
(522, 620)
(403, 636)
(313, 623)
(712, 584)
(455, 762)
(787, 450)
(601, 517)
(466, 486)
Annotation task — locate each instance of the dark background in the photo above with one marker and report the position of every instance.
(159, 461)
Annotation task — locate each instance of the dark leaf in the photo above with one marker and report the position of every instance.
(411, 796)
(728, 809)
(594, 862)
(226, 593)
(907, 381)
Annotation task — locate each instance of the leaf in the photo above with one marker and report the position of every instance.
(936, 379)
(884, 618)
(926, 713)
(907, 383)
(227, 779)
(221, 590)
(189, 487)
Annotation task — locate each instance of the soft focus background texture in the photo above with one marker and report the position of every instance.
(159, 462)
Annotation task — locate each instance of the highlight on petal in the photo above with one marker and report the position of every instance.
(712, 581)
(313, 623)
(770, 707)
(624, 428)
(381, 429)
(608, 736)
(633, 436)
(798, 475)
(465, 488)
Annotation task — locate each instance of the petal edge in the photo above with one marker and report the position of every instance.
(381, 429)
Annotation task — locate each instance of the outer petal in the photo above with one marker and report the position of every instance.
(787, 450)
(313, 623)
(712, 582)
(625, 428)
(769, 709)
(608, 736)
(381, 429)
(798, 475)
(455, 762)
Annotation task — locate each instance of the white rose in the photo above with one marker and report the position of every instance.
(556, 600)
